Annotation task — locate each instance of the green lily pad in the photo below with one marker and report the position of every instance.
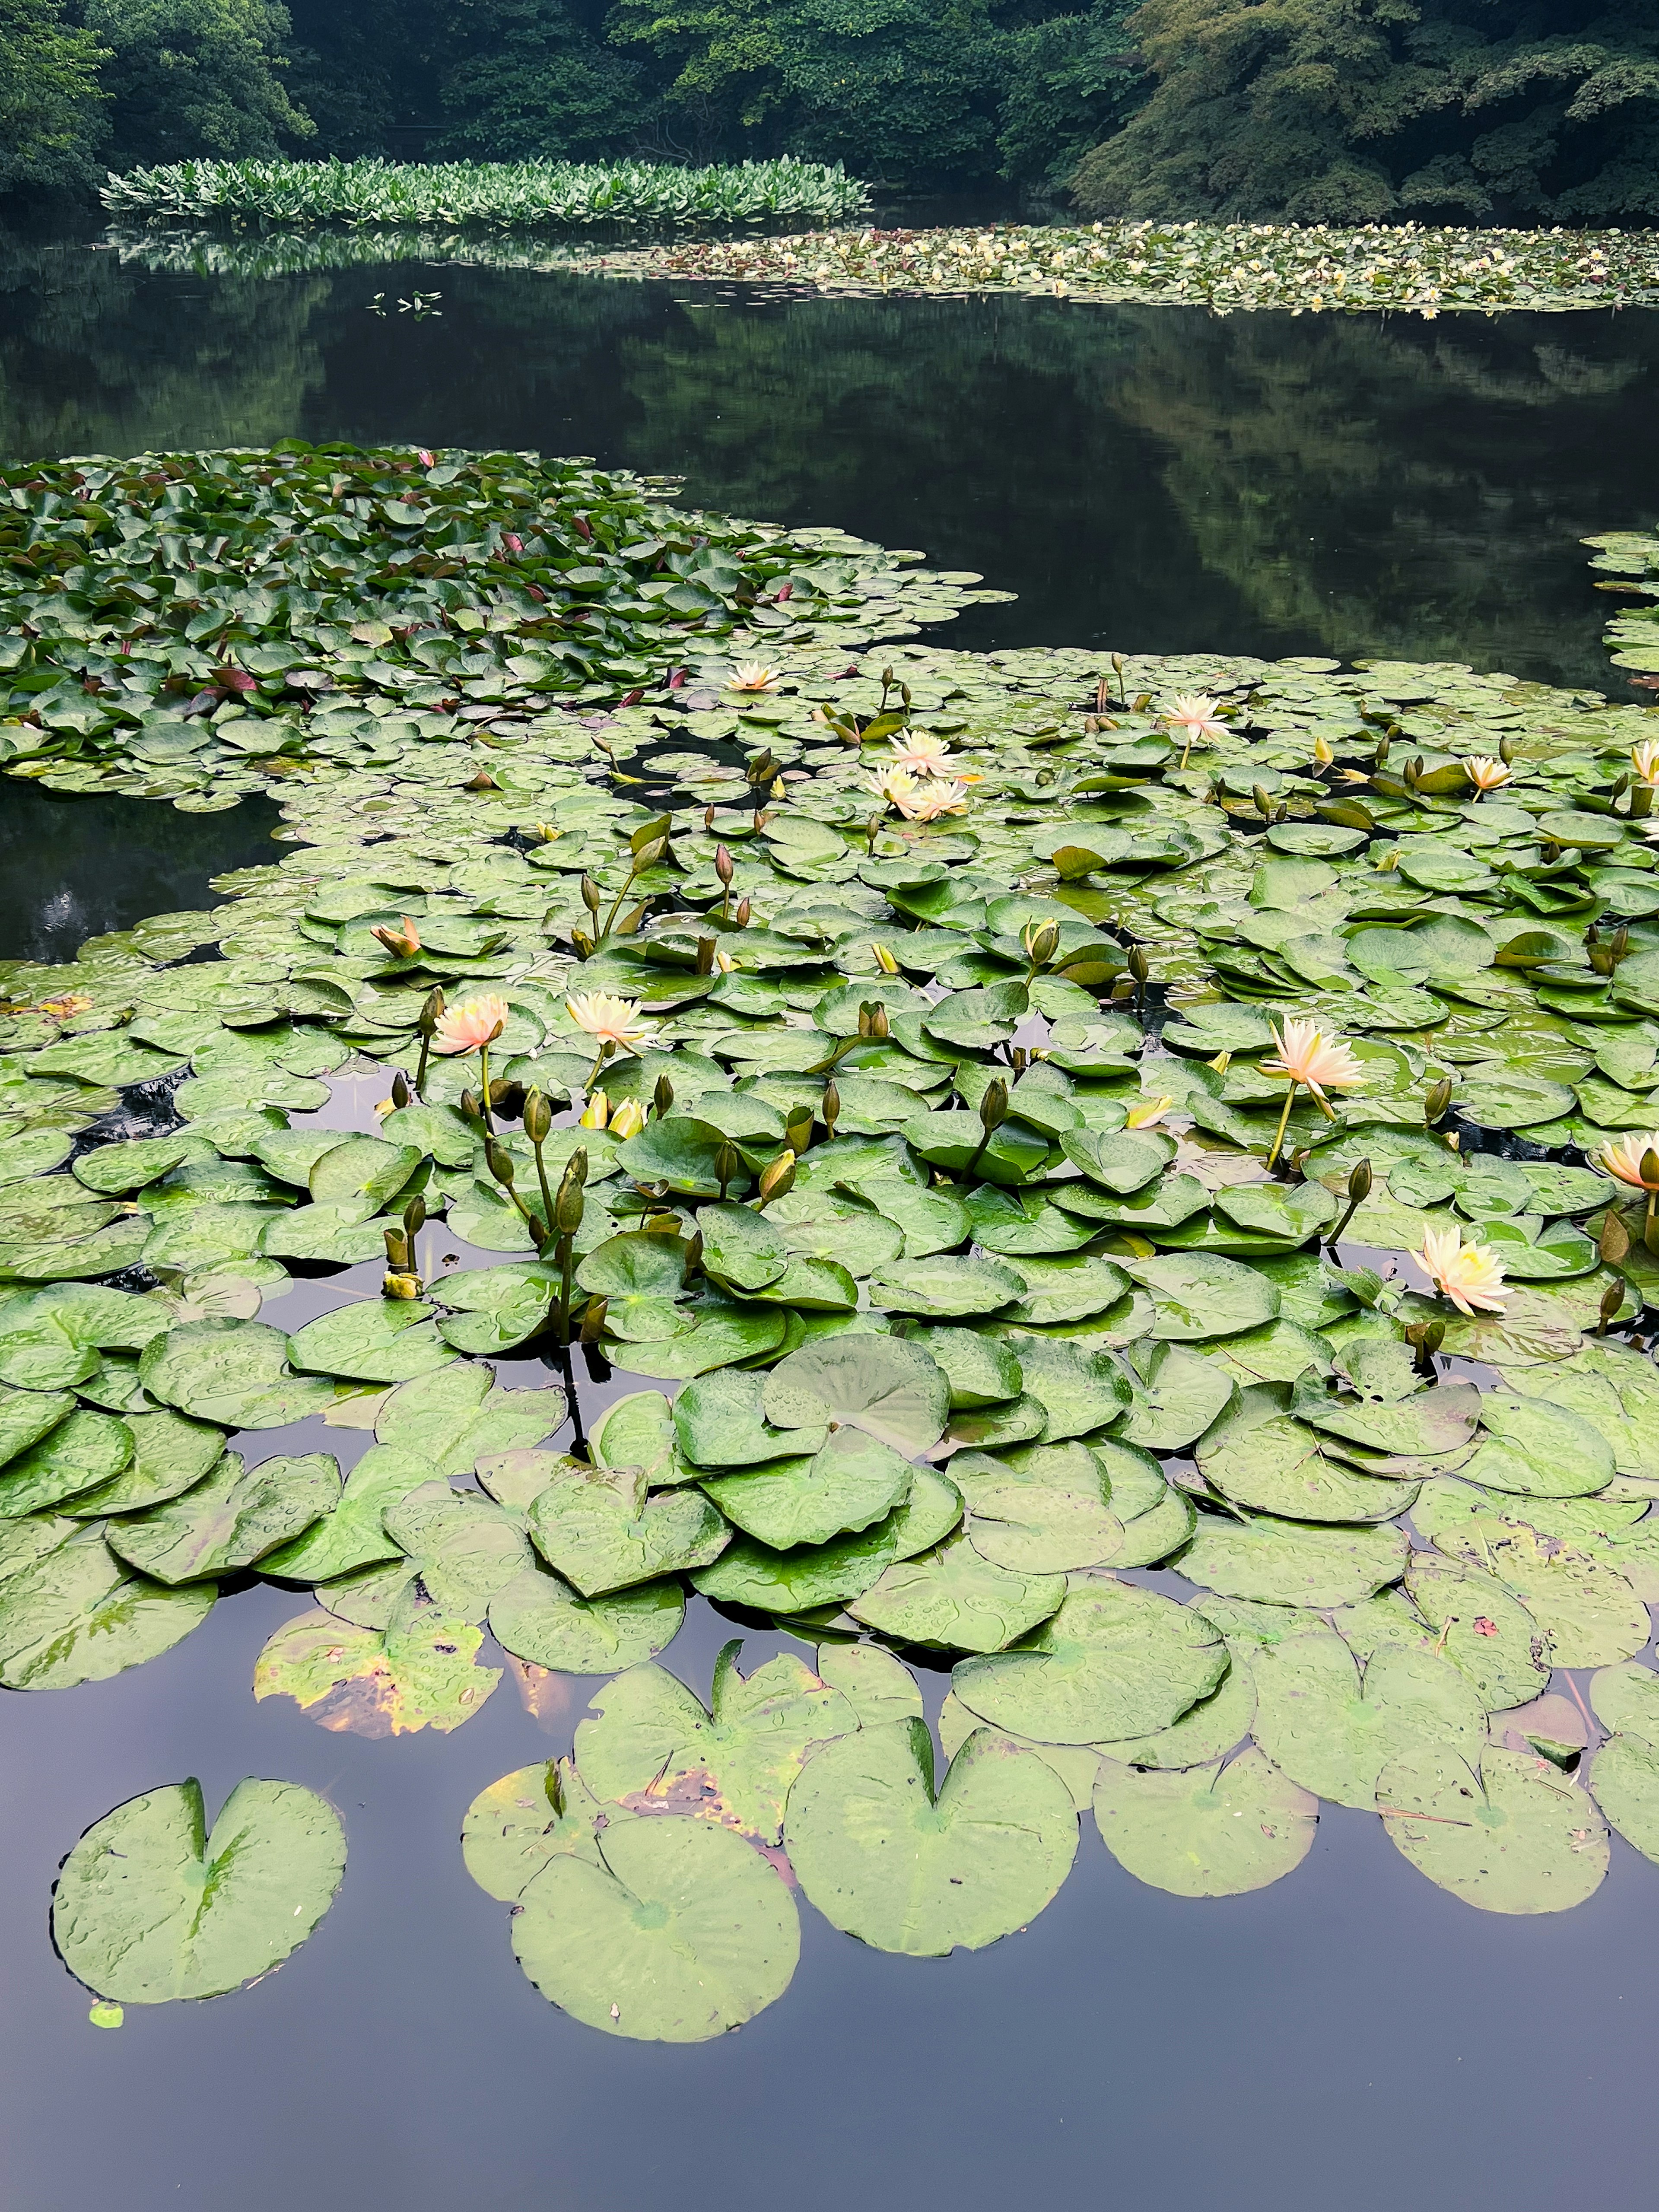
(810, 1576)
(1481, 1627)
(453, 1418)
(1333, 1723)
(227, 1522)
(892, 1390)
(1511, 1835)
(79, 1614)
(1262, 1459)
(1113, 1660)
(653, 1745)
(419, 1673)
(352, 1534)
(539, 1619)
(536, 1813)
(378, 1341)
(1207, 1831)
(851, 1482)
(150, 1907)
(678, 1933)
(597, 1528)
(80, 1454)
(1292, 1562)
(885, 1860)
(954, 1600)
(1197, 1297)
(234, 1372)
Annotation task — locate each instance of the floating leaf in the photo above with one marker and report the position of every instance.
(886, 1861)
(1511, 1835)
(653, 1745)
(1333, 1722)
(234, 1372)
(538, 1813)
(150, 1907)
(597, 1528)
(956, 1601)
(1113, 1660)
(892, 1390)
(1209, 1832)
(851, 1482)
(421, 1672)
(677, 1934)
(539, 1619)
(231, 1519)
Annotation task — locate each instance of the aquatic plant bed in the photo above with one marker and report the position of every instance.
(1132, 1180)
(1308, 269)
(490, 195)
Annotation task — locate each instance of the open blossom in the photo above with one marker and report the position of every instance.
(402, 943)
(1470, 1275)
(1624, 1159)
(1644, 759)
(753, 676)
(1486, 774)
(893, 786)
(611, 1021)
(1192, 718)
(465, 1028)
(1308, 1056)
(920, 753)
(928, 802)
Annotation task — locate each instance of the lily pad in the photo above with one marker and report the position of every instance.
(892, 1390)
(852, 1481)
(228, 1520)
(1333, 1722)
(1508, 1835)
(654, 1746)
(678, 1933)
(954, 1600)
(597, 1528)
(1113, 1661)
(540, 1619)
(1207, 1831)
(421, 1672)
(1292, 1562)
(885, 1860)
(150, 1907)
(233, 1372)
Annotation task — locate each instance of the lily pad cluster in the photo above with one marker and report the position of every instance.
(1132, 1182)
(1422, 268)
(195, 625)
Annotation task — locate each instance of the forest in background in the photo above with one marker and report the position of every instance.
(1340, 110)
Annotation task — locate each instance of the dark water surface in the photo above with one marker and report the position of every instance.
(1353, 2037)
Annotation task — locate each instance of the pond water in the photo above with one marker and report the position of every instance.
(1140, 478)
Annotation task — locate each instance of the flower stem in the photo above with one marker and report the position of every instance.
(599, 1059)
(541, 1177)
(1283, 1120)
(483, 1087)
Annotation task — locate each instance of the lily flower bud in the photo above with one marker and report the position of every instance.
(663, 1096)
(724, 866)
(537, 1117)
(568, 1207)
(705, 957)
(829, 1110)
(884, 960)
(431, 1009)
(741, 917)
(401, 1093)
(993, 1106)
(596, 1113)
(727, 1163)
(628, 1119)
(415, 1216)
(1360, 1181)
(591, 897)
(798, 1130)
(1438, 1098)
(498, 1163)
(777, 1178)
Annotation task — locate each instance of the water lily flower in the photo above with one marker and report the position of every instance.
(1635, 1160)
(1147, 1113)
(472, 1026)
(892, 785)
(1644, 759)
(928, 801)
(628, 1119)
(920, 752)
(753, 676)
(1470, 1275)
(1313, 1061)
(403, 943)
(613, 1024)
(1192, 718)
(1486, 774)
(597, 1112)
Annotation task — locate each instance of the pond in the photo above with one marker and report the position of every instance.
(1140, 479)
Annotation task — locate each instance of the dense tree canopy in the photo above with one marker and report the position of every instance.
(1347, 111)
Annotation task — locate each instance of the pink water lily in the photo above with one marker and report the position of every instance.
(919, 752)
(1311, 1061)
(754, 675)
(470, 1026)
(1194, 719)
(928, 801)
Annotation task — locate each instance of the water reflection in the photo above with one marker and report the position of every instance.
(1148, 477)
(72, 867)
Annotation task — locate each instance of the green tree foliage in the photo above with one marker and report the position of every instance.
(1353, 111)
(195, 76)
(531, 78)
(51, 106)
(1068, 81)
